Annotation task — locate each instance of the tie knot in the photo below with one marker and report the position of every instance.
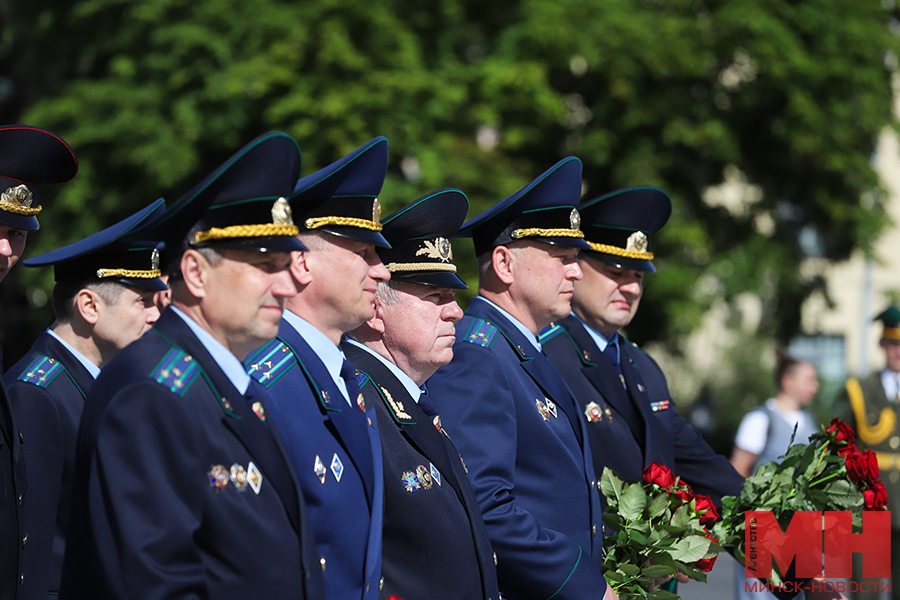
(347, 370)
(427, 405)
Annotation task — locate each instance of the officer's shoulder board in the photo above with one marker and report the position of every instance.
(271, 362)
(177, 371)
(41, 371)
(481, 333)
(395, 407)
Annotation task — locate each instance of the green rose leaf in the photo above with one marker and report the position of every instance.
(632, 502)
(690, 549)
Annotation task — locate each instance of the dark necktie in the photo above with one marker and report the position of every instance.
(611, 352)
(348, 374)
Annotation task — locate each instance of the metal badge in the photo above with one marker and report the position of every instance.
(319, 469)
(361, 402)
(435, 474)
(337, 467)
(259, 411)
(439, 249)
(376, 211)
(640, 387)
(542, 408)
(281, 213)
(593, 412)
(239, 477)
(254, 477)
(551, 406)
(218, 477)
(154, 260)
(575, 219)
(410, 482)
(637, 242)
(19, 196)
(437, 423)
(424, 476)
(585, 354)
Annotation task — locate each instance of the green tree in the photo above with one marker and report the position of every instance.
(482, 96)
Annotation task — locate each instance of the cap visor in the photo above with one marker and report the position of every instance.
(439, 279)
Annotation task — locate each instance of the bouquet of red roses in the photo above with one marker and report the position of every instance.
(828, 474)
(660, 529)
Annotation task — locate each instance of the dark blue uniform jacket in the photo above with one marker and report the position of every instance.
(332, 448)
(47, 388)
(435, 542)
(643, 425)
(518, 428)
(181, 490)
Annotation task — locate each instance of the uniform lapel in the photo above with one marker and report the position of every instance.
(538, 366)
(416, 432)
(602, 374)
(351, 431)
(237, 414)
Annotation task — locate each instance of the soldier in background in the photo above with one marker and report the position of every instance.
(395, 352)
(103, 302)
(29, 157)
(874, 406)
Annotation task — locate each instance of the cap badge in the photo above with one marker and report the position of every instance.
(281, 213)
(575, 219)
(20, 195)
(637, 242)
(440, 249)
(154, 259)
(18, 200)
(376, 211)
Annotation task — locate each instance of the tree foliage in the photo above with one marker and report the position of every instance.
(788, 97)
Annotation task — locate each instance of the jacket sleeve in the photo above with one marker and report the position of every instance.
(476, 402)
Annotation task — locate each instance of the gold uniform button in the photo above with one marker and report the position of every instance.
(20, 499)
(594, 529)
(24, 539)
(495, 559)
(322, 562)
(381, 584)
(894, 442)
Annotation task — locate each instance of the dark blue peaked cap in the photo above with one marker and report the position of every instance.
(544, 211)
(30, 157)
(342, 198)
(242, 205)
(419, 234)
(617, 226)
(111, 254)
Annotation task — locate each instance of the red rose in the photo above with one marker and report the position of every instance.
(847, 450)
(685, 495)
(842, 431)
(708, 511)
(706, 564)
(862, 466)
(876, 498)
(661, 475)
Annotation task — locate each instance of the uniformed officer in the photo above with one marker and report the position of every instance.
(103, 302)
(181, 486)
(29, 157)
(511, 415)
(330, 437)
(874, 407)
(425, 484)
(623, 395)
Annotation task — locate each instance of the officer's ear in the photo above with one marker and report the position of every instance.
(376, 323)
(503, 262)
(195, 270)
(87, 305)
(300, 268)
